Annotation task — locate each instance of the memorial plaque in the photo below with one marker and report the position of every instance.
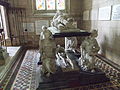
(29, 27)
(94, 14)
(105, 13)
(86, 15)
(116, 12)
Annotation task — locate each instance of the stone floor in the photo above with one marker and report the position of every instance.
(29, 77)
(12, 51)
(6, 70)
(26, 78)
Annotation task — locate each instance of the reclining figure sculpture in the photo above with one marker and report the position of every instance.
(61, 23)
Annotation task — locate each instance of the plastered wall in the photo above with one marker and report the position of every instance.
(108, 30)
(73, 10)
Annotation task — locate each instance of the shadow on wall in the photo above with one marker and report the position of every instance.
(104, 46)
(111, 46)
(115, 42)
(86, 7)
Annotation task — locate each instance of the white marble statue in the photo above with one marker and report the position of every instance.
(89, 48)
(47, 51)
(61, 23)
(69, 24)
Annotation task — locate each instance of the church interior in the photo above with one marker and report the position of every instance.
(59, 45)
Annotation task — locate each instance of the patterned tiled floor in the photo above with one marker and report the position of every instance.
(113, 85)
(26, 77)
(6, 70)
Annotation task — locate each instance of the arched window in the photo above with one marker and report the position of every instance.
(50, 5)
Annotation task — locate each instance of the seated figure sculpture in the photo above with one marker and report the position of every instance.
(89, 48)
(47, 51)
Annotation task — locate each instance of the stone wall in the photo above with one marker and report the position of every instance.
(108, 30)
(73, 9)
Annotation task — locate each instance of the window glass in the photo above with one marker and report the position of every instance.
(60, 4)
(50, 4)
(40, 4)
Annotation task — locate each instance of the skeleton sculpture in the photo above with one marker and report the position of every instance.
(47, 51)
(61, 56)
(89, 48)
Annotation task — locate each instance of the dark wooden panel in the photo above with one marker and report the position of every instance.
(70, 34)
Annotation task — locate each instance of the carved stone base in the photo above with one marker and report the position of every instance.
(69, 69)
(72, 79)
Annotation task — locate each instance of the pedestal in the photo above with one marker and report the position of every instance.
(62, 80)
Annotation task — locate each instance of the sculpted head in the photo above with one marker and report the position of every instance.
(94, 33)
(46, 32)
(44, 28)
(58, 46)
